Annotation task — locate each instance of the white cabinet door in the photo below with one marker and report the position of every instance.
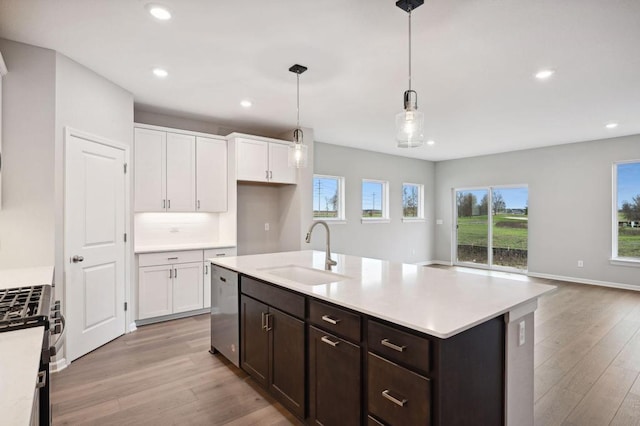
(252, 160)
(150, 172)
(155, 291)
(207, 284)
(187, 287)
(181, 172)
(279, 170)
(211, 175)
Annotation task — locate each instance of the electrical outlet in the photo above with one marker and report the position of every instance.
(174, 229)
(439, 221)
(266, 226)
(580, 263)
(521, 333)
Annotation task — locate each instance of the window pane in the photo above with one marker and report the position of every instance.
(472, 226)
(325, 197)
(410, 200)
(628, 209)
(371, 199)
(510, 215)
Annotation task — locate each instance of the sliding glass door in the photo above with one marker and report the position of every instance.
(492, 227)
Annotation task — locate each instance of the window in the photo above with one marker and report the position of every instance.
(328, 197)
(412, 204)
(626, 211)
(375, 206)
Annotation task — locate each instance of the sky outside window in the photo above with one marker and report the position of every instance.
(325, 197)
(371, 199)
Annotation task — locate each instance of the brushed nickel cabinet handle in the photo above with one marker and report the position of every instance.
(264, 324)
(171, 273)
(387, 343)
(168, 204)
(270, 174)
(206, 269)
(172, 258)
(41, 380)
(198, 204)
(399, 402)
(266, 174)
(330, 320)
(269, 326)
(175, 273)
(164, 204)
(328, 341)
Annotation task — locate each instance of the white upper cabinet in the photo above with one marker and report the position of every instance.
(263, 161)
(211, 175)
(179, 172)
(253, 160)
(279, 170)
(150, 170)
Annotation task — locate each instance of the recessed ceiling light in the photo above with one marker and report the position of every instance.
(246, 103)
(159, 12)
(611, 125)
(159, 72)
(431, 142)
(544, 74)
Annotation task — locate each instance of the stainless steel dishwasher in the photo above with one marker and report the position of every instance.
(225, 330)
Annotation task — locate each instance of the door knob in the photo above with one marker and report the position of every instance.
(76, 259)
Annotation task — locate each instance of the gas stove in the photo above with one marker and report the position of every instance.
(25, 307)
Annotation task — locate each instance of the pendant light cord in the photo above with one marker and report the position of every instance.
(409, 47)
(298, 100)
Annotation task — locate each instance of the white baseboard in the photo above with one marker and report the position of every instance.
(585, 281)
(58, 365)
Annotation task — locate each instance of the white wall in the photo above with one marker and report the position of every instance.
(398, 241)
(570, 204)
(28, 108)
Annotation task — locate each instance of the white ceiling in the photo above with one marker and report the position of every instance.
(473, 65)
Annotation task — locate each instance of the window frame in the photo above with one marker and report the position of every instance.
(420, 215)
(384, 204)
(341, 218)
(616, 259)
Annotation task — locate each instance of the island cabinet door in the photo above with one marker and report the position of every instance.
(287, 360)
(254, 339)
(334, 380)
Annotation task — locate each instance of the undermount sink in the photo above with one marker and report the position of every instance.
(304, 275)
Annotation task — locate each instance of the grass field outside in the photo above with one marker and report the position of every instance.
(510, 235)
(629, 242)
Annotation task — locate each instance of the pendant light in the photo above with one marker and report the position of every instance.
(410, 122)
(298, 150)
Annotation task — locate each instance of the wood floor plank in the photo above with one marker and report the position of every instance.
(601, 404)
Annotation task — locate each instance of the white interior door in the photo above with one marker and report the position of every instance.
(95, 211)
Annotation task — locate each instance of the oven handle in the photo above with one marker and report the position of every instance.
(58, 344)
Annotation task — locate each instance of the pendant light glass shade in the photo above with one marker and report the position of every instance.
(298, 150)
(410, 123)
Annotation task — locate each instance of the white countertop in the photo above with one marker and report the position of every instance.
(19, 365)
(435, 301)
(20, 352)
(155, 248)
(23, 277)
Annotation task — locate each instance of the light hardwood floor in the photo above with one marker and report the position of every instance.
(587, 367)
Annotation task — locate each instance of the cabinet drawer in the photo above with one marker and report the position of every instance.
(284, 300)
(399, 346)
(169, 257)
(335, 320)
(220, 252)
(396, 395)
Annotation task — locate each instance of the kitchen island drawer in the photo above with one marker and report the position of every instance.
(335, 320)
(396, 395)
(399, 346)
(169, 257)
(287, 301)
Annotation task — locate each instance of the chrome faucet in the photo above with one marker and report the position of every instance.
(328, 263)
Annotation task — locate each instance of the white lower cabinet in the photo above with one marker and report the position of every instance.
(187, 287)
(175, 282)
(155, 291)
